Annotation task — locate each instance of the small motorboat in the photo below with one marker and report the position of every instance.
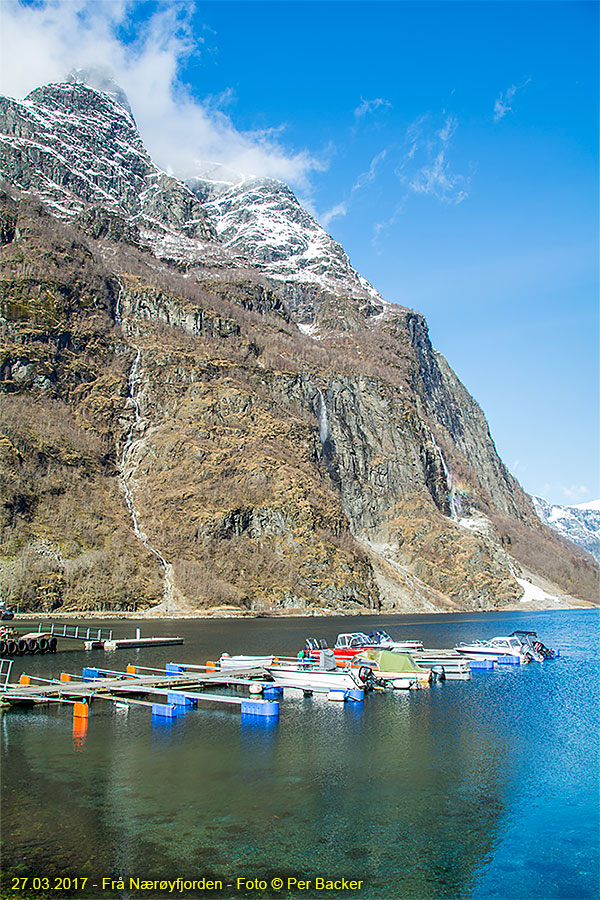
(322, 675)
(496, 647)
(245, 662)
(383, 641)
(456, 667)
(346, 646)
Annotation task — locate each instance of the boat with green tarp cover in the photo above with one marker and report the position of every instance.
(390, 665)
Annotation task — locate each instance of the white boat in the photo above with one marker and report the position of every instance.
(383, 641)
(456, 666)
(314, 678)
(245, 662)
(497, 646)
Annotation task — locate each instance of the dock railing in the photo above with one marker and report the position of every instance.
(78, 632)
(5, 667)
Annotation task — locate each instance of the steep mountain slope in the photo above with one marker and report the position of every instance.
(262, 221)
(197, 376)
(580, 524)
(74, 146)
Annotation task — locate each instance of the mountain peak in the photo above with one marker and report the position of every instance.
(77, 145)
(100, 78)
(580, 524)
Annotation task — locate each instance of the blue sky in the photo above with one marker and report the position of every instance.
(452, 148)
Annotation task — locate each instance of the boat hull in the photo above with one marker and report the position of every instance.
(246, 662)
(309, 679)
(487, 653)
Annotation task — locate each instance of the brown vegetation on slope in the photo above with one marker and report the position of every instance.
(225, 466)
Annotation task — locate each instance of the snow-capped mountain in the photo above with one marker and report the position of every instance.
(76, 145)
(151, 334)
(593, 504)
(73, 146)
(261, 220)
(580, 524)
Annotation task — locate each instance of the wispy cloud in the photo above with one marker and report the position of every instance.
(370, 106)
(425, 167)
(381, 227)
(340, 209)
(502, 106)
(576, 492)
(369, 175)
(362, 180)
(184, 134)
(565, 495)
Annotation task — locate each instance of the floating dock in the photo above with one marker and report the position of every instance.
(128, 643)
(170, 692)
(180, 690)
(60, 636)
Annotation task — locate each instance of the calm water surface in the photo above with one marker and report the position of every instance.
(481, 789)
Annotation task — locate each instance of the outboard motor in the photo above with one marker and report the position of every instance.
(438, 673)
(327, 660)
(366, 676)
(545, 652)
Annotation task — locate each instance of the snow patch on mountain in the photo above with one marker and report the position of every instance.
(579, 524)
(261, 220)
(75, 146)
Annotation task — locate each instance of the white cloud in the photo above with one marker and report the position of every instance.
(369, 176)
(425, 167)
(502, 106)
(365, 178)
(577, 492)
(340, 209)
(381, 227)
(182, 133)
(369, 106)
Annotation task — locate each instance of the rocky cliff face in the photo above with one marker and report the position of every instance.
(197, 377)
(75, 146)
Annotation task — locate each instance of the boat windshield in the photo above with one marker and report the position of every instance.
(525, 637)
(380, 637)
(359, 640)
(356, 639)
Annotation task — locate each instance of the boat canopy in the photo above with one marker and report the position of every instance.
(391, 661)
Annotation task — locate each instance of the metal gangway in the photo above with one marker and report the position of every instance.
(77, 632)
(5, 667)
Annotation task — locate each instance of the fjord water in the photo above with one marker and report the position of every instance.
(481, 789)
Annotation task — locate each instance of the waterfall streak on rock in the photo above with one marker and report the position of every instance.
(125, 455)
(118, 319)
(453, 499)
(324, 430)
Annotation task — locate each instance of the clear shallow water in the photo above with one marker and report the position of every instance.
(481, 789)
